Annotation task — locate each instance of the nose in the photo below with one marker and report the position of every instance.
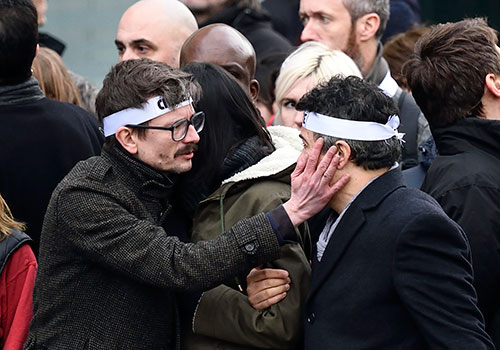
(299, 117)
(192, 136)
(308, 33)
(128, 54)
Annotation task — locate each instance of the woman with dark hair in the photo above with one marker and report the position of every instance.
(241, 168)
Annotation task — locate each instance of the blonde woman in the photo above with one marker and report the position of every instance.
(310, 64)
(17, 276)
(54, 78)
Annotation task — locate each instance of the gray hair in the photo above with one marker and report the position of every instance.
(359, 8)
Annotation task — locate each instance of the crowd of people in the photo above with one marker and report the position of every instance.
(243, 180)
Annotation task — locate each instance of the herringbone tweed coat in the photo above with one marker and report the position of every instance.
(108, 269)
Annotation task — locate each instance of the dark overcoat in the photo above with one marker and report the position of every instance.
(396, 274)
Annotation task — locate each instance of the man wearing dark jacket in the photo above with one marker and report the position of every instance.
(109, 265)
(463, 109)
(247, 17)
(40, 139)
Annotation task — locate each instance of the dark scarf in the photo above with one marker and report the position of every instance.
(25, 92)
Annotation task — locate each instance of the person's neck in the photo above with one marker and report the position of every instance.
(491, 107)
(359, 178)
(369, 54)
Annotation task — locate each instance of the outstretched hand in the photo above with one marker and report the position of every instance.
(311, 183)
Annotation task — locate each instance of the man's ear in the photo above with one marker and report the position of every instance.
(492, 84)
(127, 139)
(367, 26)
(254, 89)
(344, 152)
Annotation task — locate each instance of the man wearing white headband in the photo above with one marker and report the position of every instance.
(390, 270)
(111, 258)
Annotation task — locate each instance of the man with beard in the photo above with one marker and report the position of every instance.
(355, 27)
(109, 260)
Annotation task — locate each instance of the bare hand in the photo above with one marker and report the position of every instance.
(266, 287)
(311, 188)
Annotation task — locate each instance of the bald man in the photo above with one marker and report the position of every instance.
(149, 29)
(226, 47)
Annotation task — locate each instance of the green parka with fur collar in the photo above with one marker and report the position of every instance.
(224, 319)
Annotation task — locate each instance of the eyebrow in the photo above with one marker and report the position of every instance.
(314, 14)
(303, 140)
(137, 42)
(234, 68)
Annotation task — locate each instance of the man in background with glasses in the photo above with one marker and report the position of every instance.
(109, 261)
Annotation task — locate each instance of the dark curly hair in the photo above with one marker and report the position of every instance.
(353, 98)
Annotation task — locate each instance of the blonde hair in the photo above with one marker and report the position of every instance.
(7, 222)
(54, 78)
(313, 59)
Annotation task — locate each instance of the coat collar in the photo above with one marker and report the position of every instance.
(380, 67)
(353, 221)
(466, 134)
(142, 179)
(288, 147)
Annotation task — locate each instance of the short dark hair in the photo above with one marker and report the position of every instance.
(18, 40)
(448, 69)
(399, 49)
(131, 83)
(230, 119)
(353, 98)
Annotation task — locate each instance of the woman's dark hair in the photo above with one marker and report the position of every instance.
(230, 119)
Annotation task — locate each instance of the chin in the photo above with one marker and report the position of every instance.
(180, 168)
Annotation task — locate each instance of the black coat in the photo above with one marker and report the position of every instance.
(256, 27)
(465, 180)
(396, 274)
(40, 142)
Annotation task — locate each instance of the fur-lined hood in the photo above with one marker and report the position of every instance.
(288, 148)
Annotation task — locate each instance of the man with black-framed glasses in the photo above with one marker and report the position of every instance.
(110, 260)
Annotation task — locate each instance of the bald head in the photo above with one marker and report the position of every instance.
(223, 46)
(148, 29)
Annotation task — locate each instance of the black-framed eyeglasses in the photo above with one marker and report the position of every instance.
(180, 127)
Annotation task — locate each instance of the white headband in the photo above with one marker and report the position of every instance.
(154, 107)
(352, 129)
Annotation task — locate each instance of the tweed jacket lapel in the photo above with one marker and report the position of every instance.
(351, 224)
